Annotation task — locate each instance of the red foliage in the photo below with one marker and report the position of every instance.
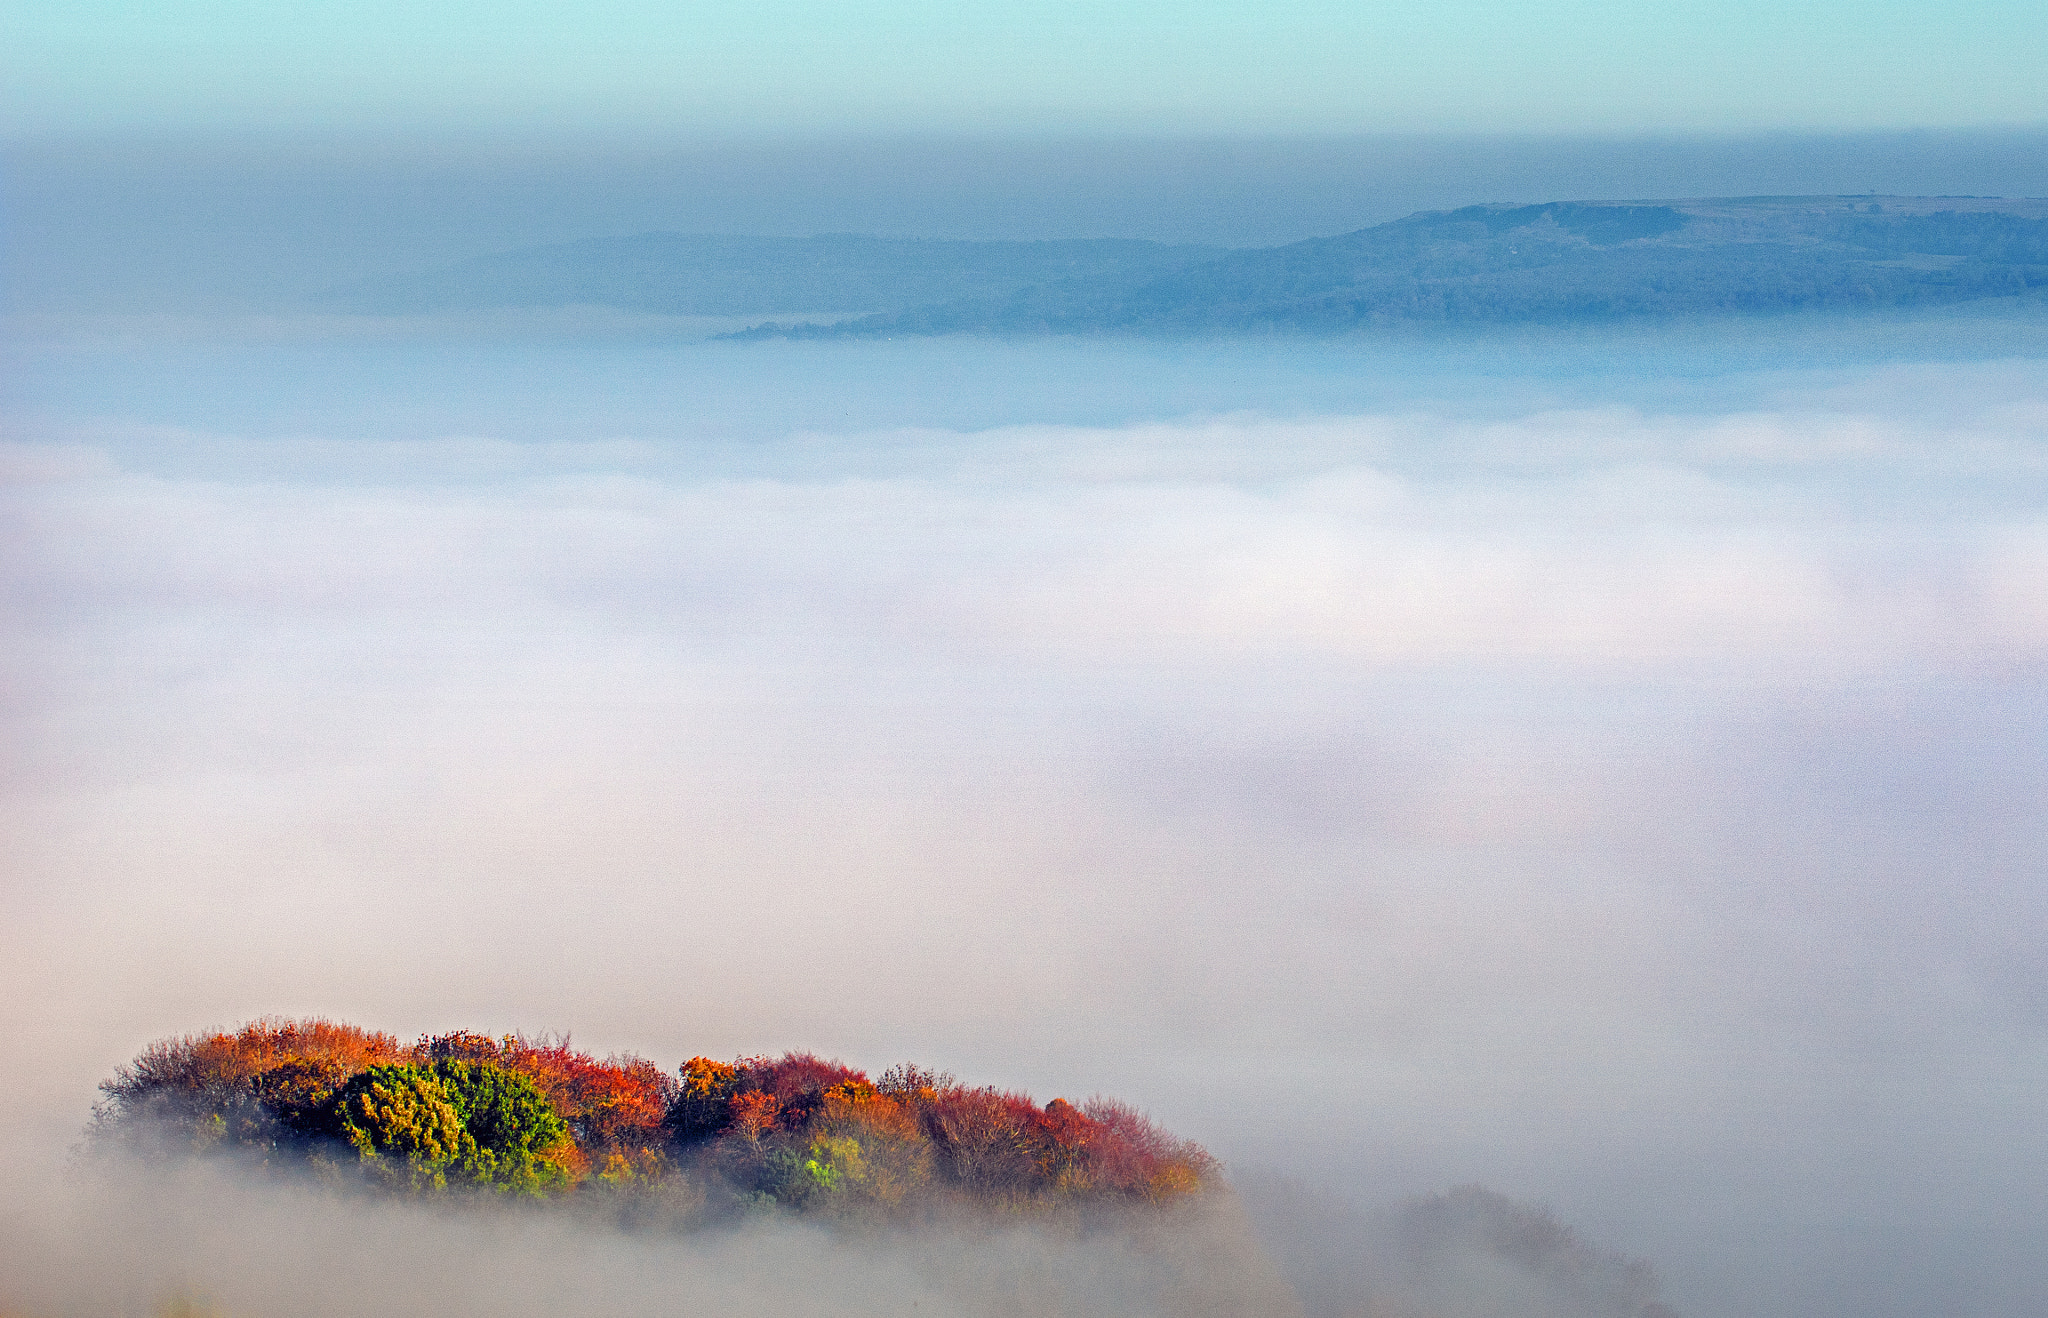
(796, 1075)
(614, 1105)
(916, 1132)
(1065, 1135)
(621, 1102)
(1128, 1153)
(797, 1081)
(985, 1136)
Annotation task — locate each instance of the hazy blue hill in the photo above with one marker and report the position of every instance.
(1554, 263)
(686, 274)
(1560, 262)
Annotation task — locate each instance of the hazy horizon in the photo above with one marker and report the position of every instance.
(218, 223)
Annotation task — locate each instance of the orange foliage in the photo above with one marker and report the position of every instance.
(619, 1103)
(704, 1078)
(985, 1140)
(211, 1061)
(797, 1127)
(701, 1108)
(294, 1089)
(754, 1114)
(859, 1108)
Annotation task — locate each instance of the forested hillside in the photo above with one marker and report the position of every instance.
(1560, 263)
(534, 1118)
(1556, 263)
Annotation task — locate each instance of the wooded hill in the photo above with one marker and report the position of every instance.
(534, 1118)
(1554, 264)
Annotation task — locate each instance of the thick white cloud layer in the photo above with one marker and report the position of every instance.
(1634, 808)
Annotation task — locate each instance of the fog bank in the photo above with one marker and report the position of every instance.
(1623, 797)
(122, 1240)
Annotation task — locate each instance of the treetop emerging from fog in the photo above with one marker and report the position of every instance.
(535, 1118)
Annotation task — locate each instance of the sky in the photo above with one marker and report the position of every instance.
(1193, 66)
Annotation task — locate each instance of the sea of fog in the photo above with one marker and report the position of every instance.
(1604, 766)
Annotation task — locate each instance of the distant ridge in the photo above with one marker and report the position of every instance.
(1555, 263)
(1558, 262)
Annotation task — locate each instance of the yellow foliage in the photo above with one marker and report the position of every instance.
(184, 1306)
(895, 1156)
(704, 1078)
(1172, 1181)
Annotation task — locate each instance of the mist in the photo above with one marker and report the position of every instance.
(209, 1240)
(1601, 767)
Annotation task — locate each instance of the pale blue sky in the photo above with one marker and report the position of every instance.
(1202, 66)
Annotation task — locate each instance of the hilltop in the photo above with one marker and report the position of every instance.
(536, 1119)
(1555, 263)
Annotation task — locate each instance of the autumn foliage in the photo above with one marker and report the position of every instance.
(535, 1118)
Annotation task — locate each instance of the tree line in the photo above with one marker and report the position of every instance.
(535, 1118)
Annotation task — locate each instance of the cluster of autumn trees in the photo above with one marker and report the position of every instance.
(537, 1118)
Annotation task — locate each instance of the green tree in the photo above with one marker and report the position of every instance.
(470, 1122)
(835, 1162)
(826, 1167)
(512, 1127)
(401, 1121)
